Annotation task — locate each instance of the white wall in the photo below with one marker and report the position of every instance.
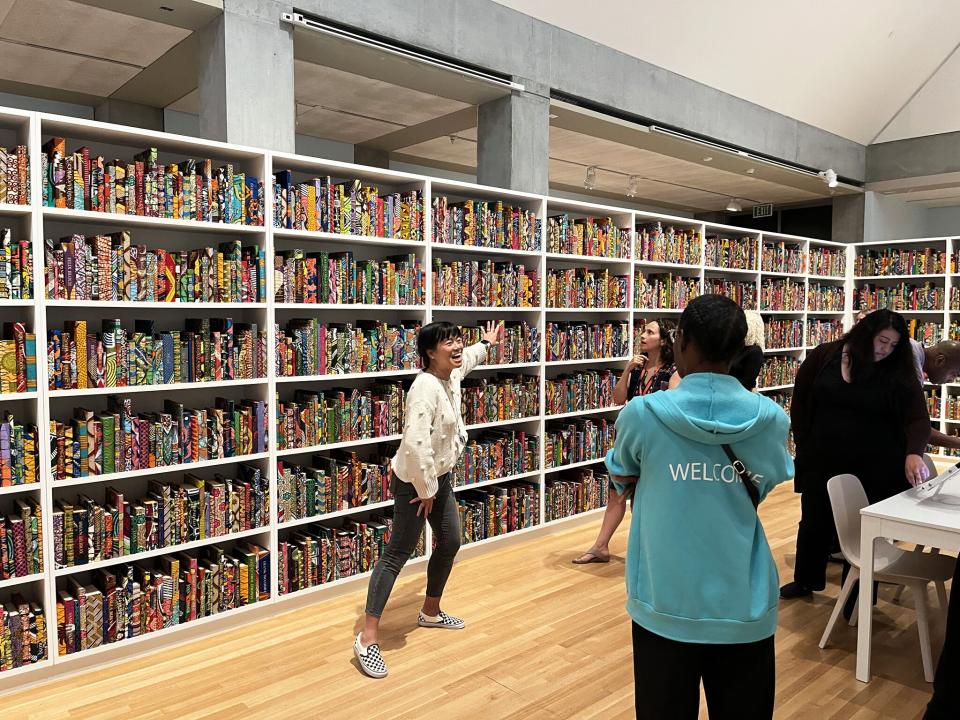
(943, 221)
(887, 217)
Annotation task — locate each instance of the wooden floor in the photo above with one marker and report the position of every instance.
(545, 639)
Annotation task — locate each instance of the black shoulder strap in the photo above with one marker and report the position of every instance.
(744, 476)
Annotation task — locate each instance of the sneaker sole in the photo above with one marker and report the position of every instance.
(442, 626)
(367, 671)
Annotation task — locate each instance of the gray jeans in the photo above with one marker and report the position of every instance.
(444, 519)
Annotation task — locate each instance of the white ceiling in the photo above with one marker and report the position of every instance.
(934, 109)
(847, 67)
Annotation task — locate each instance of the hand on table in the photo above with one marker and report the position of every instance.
(915, 470)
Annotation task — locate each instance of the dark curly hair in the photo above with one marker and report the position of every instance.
(668, 332)
(859, 344)
(716, 324)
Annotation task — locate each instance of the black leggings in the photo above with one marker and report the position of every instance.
(739, 680)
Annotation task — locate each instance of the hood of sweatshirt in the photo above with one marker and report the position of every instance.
(712, 409)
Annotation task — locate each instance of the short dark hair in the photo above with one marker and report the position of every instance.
(859, 344)
(432, 335)
(717, 325)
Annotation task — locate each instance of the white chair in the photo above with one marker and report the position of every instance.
(891, 564)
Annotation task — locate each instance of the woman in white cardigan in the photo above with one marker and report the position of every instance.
(434, 436)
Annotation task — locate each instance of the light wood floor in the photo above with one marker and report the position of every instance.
(545, 639)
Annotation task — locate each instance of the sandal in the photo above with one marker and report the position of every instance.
(591, 556)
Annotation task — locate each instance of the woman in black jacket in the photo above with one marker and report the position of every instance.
(857, 408)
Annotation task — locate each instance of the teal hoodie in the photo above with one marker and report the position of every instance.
(698, 565)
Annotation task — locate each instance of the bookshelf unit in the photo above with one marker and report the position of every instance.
(919, 277)
(649, 245)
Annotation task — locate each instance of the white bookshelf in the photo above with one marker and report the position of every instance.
(41, 407)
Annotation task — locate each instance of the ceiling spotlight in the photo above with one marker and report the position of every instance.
(708, 158)
(750, 171)
(633, 186)
(590, 179)
(829, 177)
(734, 205)
(453, 139)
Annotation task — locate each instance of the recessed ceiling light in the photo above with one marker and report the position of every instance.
(166, 9)
(750, 171)
(553, 117)
(734, 205)
(590, 179)
(633, 186)
(708, 158)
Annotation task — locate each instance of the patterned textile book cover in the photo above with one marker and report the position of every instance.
(94, 620)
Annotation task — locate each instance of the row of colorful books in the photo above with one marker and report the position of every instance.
(319, 553)
(668, 245)
(826, 298)
(19, 452)
(577, 441)
(955, 298)
(334, 415)
(506, 397)
(932, 394)
(587, 341)
(484, 283)
(112, 268)
(23, 633)
(15, 175)
(187, 190)
(784, 399)
(206, 350)
(169, 514)
(350, 207)
(782, 294)
(21, 539)
(744, 293)
(731, 253)
(519, 342)
(902, 297)
(954, 333)
(583, 490)
(782, 257)
(337, 278)
(16, 267)
(825, 330)
(596, 237)
(900, 261)
(926, 333)
(783, 333)
(331, 483)
(128, 601)
(18, 358)
(584, 288)
(585, 390)
(827, 262)
(665, 291)
(778, 370)
(309, 347)
(952, 408)
(485, 223)
(497, 510)
(496, 454)
(120, 441)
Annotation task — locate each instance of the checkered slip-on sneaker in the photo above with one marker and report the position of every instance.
(443, 621)
(370, 659)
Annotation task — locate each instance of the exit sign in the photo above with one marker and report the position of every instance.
(762, 211)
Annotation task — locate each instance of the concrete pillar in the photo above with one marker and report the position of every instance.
(513, 140)
(121, 112)
(373, 157)
(246, 76)
(848, 216)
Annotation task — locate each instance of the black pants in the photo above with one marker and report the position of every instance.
(945, 703)
(738, 680)
(815, 538)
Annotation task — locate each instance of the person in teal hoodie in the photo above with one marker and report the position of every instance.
(702, 584)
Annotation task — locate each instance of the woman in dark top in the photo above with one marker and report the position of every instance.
(857, 408)
(652, 369)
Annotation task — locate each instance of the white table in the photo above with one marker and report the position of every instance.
(933, 522)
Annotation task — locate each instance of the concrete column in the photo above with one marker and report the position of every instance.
(373, 157)
(848, 215)
(121, 112)
(513, 140)
(246, 76)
